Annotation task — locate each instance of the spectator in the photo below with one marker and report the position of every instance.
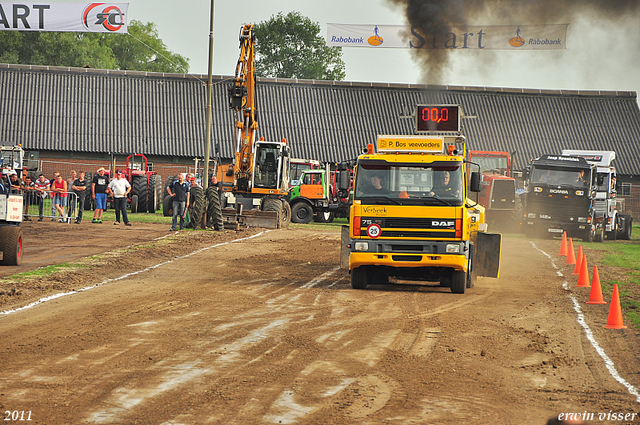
(99, 188)
(14, 180)
(61, 197)
(4, 184)
(71, 211)
(193, 183)
(218, 185)
(445, 188)
(79, 187)
(120, 188)
(53, 206)
(42, 187)
(28, 190)
(179, 191)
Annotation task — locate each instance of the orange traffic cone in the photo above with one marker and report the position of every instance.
(563, 246)
(615, 313)
(576, 269)
(583, 279)
(571, 258)
(596, 291)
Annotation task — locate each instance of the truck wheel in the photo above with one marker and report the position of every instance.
(301, 213)
(11, 245)
(598, 234)
(326, 217)
(471, 275)
(359, 278)
(458, 282)
(624, 228)
(167, 206)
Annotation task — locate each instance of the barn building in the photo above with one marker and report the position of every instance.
(77, 118)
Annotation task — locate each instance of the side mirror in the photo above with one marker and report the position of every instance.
(475, 182)
(344, 180)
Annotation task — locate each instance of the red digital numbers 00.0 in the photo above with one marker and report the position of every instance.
(438, 118)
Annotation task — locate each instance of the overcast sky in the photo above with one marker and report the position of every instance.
(601, 55)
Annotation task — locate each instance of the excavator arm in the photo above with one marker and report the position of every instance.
(242, 100)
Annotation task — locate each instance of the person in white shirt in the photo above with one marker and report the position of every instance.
(120, 188)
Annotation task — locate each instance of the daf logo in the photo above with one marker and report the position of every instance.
(442, 223)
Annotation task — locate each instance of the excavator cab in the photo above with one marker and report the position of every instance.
(272, 165)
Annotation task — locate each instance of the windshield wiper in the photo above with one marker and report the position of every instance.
(440, 200)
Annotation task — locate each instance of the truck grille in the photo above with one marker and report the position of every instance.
(557, 207)
(503, 195)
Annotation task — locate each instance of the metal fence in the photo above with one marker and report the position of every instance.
(41, 208)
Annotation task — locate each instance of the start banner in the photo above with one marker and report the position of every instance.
(515, 37)
(71, 17)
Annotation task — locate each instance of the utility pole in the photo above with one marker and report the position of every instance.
(207, 148)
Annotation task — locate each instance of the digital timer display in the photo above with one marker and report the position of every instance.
(438, 118)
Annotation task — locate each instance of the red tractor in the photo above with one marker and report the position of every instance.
(146, 186)
(499, 195)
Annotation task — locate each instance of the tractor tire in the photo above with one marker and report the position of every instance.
(214, 209)
(134, 204)
(359, 278)
(140, 188)
(273, 204)
(285, 217)
(155, 193)
(11, 245)
(167, 206)
(88, 191)
(197, 207)
(301, 212)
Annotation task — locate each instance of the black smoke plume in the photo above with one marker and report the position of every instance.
(429, 16)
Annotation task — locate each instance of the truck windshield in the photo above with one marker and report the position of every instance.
(423, 184)
(559, 176)
(491, 164)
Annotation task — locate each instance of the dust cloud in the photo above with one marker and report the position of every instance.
(440, 16)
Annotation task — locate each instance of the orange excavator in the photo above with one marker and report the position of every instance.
(258, 179)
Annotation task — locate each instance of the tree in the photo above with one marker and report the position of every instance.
(140, 50)
(291, 47)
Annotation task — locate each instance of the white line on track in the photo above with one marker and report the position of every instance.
(611, 367)
(64, 294)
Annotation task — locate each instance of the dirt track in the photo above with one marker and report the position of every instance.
(266, 329)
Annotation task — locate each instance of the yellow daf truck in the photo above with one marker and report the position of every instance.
(413, 218)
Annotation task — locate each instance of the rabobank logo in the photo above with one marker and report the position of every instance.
(104, 15)
(517, 41)
(375, 39)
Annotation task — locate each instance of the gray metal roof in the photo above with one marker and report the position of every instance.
(88, 110)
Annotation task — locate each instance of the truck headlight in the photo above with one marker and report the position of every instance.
(361, 246)
(582, 219)
(452, 248)
(531, 215)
